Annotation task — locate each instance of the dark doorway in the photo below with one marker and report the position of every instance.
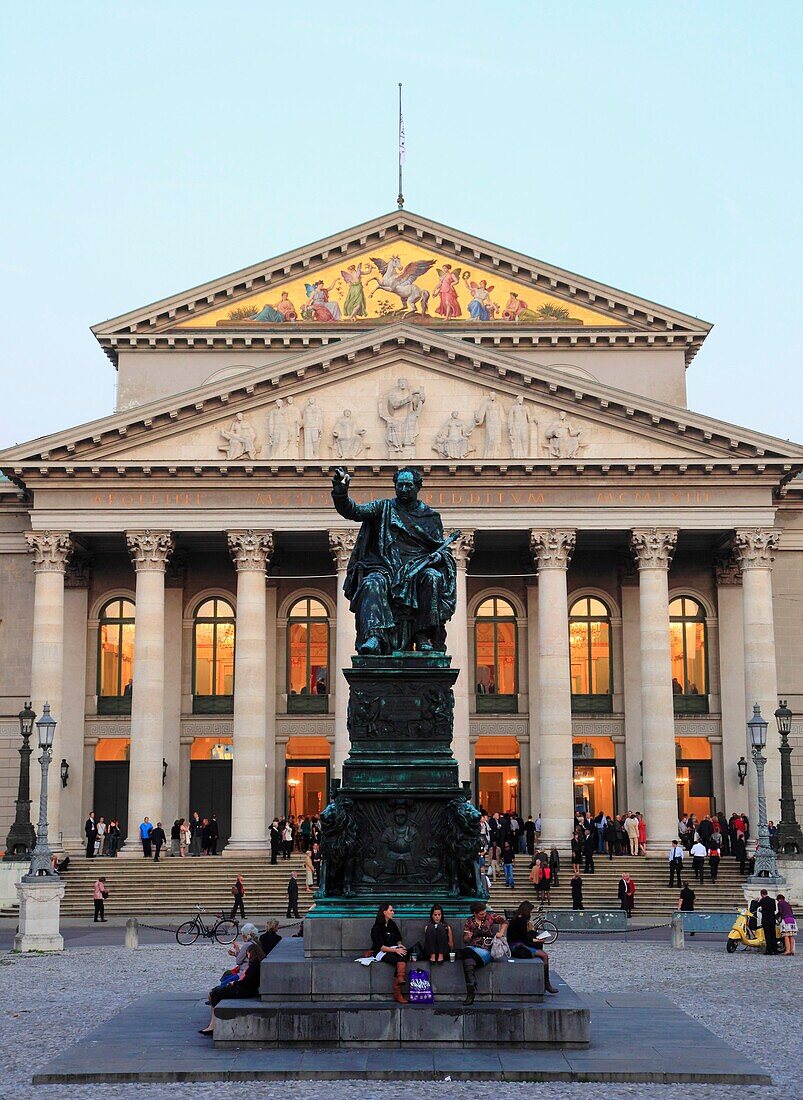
(210, 793)
(111, 793)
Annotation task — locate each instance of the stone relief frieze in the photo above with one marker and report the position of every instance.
(312, 425)
(399, 409)
(453, 439)
(565, 439)
(239, 440)
(348, 438)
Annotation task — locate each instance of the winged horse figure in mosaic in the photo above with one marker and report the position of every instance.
(402, 281)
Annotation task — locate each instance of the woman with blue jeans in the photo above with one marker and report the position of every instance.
(478, 935)
(508, 855)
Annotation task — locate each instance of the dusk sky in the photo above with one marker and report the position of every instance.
(151, 146)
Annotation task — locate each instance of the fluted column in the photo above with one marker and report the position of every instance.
(457, 645)
(653, 548)
(51, 552)
(251, 551)
(150, 552)
(754, 550)
(341, 543)
(552, 550)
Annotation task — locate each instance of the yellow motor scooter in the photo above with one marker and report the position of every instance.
(742, 933)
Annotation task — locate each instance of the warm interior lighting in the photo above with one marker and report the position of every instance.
(583, 780)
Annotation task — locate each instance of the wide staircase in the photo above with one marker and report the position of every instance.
(139, 887)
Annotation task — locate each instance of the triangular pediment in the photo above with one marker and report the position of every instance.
(458, 405)
(399, 266)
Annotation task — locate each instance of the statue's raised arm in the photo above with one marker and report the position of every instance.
(401, 579)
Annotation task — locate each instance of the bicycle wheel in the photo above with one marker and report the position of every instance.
(546, 932)
(188, 932)
(226, 931)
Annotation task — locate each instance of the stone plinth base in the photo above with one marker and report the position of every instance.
(10, 874)
(321, 979)
(40, 911)
(563, 1022)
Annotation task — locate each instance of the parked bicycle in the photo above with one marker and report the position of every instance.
(545, 931)
(223, 930)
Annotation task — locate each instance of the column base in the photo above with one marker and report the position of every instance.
(131, 849)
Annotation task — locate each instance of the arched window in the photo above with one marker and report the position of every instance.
(308, 656)
(495, 656)
(590, 656)
(116, 657)
(688, 643)
(213, 658)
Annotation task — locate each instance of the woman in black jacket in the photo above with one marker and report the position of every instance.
(386, 937)
(524, 945)
(577, 851)
(245, 986)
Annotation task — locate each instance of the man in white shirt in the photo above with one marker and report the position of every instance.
(698, 854)
(675, 862)
(631, 828)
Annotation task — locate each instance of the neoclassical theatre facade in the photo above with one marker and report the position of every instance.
(630, 573)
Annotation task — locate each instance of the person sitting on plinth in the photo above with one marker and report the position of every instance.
(478, 936)
(401, 578)
(438, 941)
(247, 985)
(524, 944)
(387, 943)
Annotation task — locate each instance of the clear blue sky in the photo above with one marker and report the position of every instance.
(151, 145)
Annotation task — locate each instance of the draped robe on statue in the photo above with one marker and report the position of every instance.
(392, 597)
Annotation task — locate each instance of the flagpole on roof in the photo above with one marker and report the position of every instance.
(402, 150)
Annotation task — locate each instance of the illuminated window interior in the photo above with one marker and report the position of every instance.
(694, 775)
(687, 636)
(495, 648)
(308, 649)
(214, 649)
(116, 650)
(594, 775)
(113, 748)
(211, 748)
(590, 647)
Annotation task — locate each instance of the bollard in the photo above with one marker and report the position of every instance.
(132, 932)
(677, 930)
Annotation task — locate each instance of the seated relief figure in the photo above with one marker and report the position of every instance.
(401, 578)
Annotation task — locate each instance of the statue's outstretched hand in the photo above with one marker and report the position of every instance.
(341, 479)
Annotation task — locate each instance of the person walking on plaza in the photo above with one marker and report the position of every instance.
(631, 828)
(100, 893)
(788, 924)
(577, 891)
(238, 893)
(675, 862)
(145, 831)
(767, 911)
(292, 896)
(275, 839)
(91, 833)
(197, 830)
(698, 854)
(157, 840)
(112, 838)
(627, 893)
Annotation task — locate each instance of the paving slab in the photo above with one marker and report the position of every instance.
(130, 1047)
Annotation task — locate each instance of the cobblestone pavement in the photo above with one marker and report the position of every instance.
(751, 1001)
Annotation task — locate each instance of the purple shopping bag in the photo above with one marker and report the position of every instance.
(420, 988)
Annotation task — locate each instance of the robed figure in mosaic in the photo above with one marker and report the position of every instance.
(401, 578)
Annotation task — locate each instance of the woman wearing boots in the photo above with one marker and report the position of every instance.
(386, 938)
(524, 945)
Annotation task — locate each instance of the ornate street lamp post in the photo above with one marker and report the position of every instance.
(21, 837)
(42, 858)
(790, 837)
(765, 868)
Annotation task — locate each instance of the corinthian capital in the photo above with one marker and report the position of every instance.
(754, 547)
(653, 547)
(150, 550)
(462, 548)
(341, 543)
(51, 550)
(552, 547)
(251, 550)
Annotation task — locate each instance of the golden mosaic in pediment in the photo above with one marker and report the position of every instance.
(401, 280)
